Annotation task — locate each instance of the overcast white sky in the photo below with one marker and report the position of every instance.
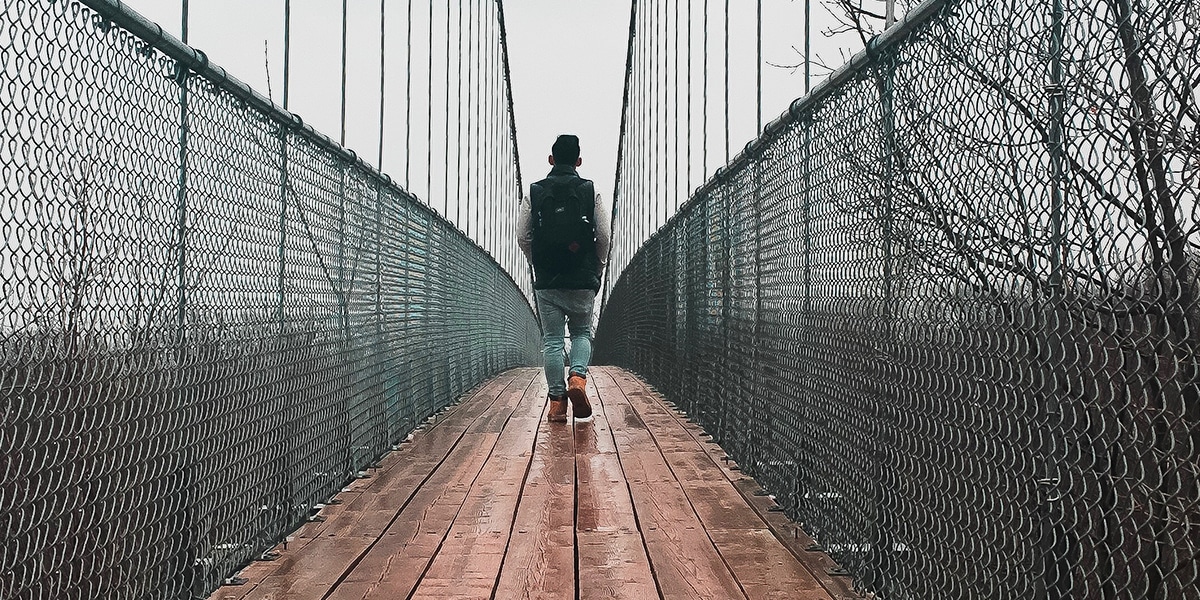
(567, 60)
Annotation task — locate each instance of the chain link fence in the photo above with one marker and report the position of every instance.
(945, 308)
(213, 317)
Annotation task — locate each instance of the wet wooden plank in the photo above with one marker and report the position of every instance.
(613, 564)
(321, 553)
(469, 560)
(540, 559)
(720, 506)
(539, 564)
(798, 542)
(611, 553)
(597, 439)
(396, 564)
(762, 547)
(603, 502)
(304, 574)
(685, 562)
(371, 503)
(764, 567)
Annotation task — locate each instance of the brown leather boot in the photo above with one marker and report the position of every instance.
(577, 392)
(558, 410)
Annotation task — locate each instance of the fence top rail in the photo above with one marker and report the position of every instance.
(197, 61)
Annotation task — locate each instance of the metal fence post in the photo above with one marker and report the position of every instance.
(1055, 571)
(801, 486)
(285, 490)
(763, 412)
(346, 347)
(882, 542)
(726, 310)
(190, 537)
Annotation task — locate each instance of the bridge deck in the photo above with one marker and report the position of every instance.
(493, 501)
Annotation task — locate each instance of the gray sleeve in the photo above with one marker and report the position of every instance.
(525, 228)
(603, 229)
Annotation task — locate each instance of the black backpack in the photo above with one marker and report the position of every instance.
(564, 224)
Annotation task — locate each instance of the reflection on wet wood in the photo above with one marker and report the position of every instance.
(495, 502)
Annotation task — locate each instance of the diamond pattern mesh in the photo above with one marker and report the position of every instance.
(212, 318)
(945, 309)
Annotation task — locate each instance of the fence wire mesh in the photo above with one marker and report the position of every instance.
(213, 317)
(945, 308)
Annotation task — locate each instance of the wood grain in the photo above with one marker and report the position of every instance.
(685, 562)
(540, 558)
(736, 533)
(468, 562)
(612, 559)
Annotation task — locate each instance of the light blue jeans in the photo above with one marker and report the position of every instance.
(571, 309)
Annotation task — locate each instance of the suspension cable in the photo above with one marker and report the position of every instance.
(458, 186)
(726, 81)
(663, 117)
(470, 102)
(287, 49)
(688, 127)
(490, 150)
(407, 101)
(382, 77)
(621, 145)
(675, 122)
(342, 139)
(508, 92)
(639, 126)
(512, 121)
(481, 206)
(446, 124)
(656, 90)
(429, 117)
(758, 71)
(478, 105)
(649, 173)
(807, 46)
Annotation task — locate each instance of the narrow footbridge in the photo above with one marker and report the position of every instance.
(933, 333)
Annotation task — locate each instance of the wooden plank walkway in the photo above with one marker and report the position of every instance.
(492, 501)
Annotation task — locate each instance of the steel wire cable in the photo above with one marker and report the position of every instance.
(446, 119)
(345, 40)
(726, 72)
(382, 77)
(407, 98)
(429, 114)
(704, 99)
(674, 195)
(287, 50)
(459, 119)
(214, 316)
(472, 102)
(945, 308)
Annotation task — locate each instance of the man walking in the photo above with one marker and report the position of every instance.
(564, 230)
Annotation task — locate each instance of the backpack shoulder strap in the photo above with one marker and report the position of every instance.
(588, 191)
(537, 197)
